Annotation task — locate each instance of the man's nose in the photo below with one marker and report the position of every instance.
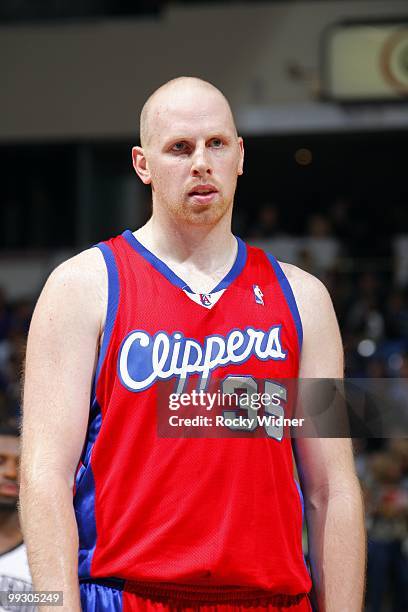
(200, 162)
(10, 469)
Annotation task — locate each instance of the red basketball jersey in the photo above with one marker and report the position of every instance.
(214, 513)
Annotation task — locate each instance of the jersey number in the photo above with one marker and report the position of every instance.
(248, 385)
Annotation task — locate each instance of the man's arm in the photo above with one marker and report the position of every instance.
(61, 356)
(333, 501)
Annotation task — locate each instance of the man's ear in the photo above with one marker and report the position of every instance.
(140, 165)
(241, 161)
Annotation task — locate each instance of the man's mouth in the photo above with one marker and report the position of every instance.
(203, 193)
(8, 489)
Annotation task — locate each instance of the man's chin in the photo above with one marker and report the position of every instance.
(8, 503)
(202, 215)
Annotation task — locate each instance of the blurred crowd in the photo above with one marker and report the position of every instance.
(371, 302)
(382, 467)
(14, 323)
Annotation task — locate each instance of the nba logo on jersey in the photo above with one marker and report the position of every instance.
(205, 300)
(258, 295)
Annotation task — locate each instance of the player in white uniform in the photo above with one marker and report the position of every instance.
(14, 570)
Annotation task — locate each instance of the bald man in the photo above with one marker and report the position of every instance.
(169, 522)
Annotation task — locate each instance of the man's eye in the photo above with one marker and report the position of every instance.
(216, 142)
(179, 147)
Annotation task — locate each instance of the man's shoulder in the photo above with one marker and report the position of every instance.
(80, 271)
(78, 286)
(310, 293)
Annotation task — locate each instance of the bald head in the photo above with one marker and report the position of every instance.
(178, 93)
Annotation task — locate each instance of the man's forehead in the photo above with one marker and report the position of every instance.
(177, 119)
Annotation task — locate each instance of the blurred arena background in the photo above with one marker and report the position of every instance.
(320, 93)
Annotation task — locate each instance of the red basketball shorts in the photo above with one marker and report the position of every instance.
(96, 597)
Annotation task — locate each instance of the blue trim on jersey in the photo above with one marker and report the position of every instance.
(301, 498)
(95, 423)
(84, 499)
(101, 597)
(84, 505)
(303, 515)
(171, 276)
(290, 298)
(112, 308)
(237, 267)
(155, 261)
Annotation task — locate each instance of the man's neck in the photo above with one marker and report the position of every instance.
(207, 248)
(200, 255)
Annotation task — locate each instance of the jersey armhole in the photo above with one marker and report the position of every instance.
(290, 298)
(112, 306)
